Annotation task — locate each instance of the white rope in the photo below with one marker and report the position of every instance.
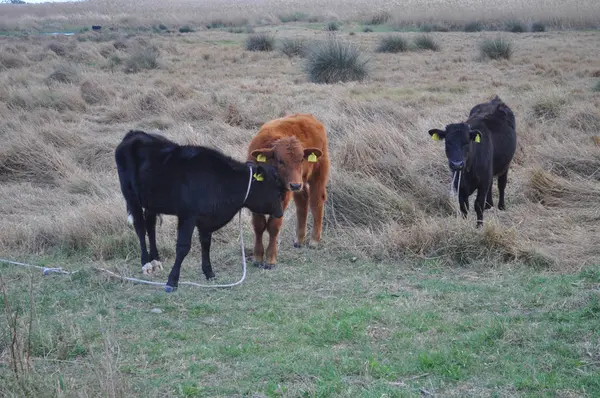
(47, 270)
(455, 193)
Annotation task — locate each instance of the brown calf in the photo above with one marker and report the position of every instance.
(297, 146)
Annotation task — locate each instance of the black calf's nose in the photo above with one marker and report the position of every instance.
(295, 187)
(456, 165)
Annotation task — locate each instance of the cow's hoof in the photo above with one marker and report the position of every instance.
(313, 244)
(488, 206)
(297, 245)
(156, 265)
(210, 276)
(258, 264)
(147, 269)
(170, 289)
(501, 207)
(268, 266)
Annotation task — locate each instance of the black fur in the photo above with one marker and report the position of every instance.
(480, 162)
(201, 186)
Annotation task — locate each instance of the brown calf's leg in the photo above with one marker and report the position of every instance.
(273, 227)
(317, 197)
(301, 200)
(259, 223)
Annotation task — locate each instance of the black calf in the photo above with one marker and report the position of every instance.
(480, 149)
(201, 186)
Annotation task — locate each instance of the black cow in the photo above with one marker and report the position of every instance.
(201, 186)
(479, 150)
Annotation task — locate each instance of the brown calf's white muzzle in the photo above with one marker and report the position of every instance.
(295, 187)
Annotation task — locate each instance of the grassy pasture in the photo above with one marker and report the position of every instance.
(403, 298)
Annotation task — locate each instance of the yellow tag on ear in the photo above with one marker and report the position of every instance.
(261, 158)
(258, 177)
(435, 136)
(312, 158)
(478, 138)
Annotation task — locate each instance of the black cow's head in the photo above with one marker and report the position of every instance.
(266, 191)
(459, 143)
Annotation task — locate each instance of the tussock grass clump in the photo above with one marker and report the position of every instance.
(452, 241)
(357, 199)
(588, 121)
(548, 107)
(426, 42)
(379, 18)
(58, 48)
(293, 47)
(474, 26)
(64, 73)
(143, 58)
(553, 191)
(222, 23)
(332, 26)
(392, 44)
(293, 17)
(515, 27)
(28, 159)
(260, 42)
(538, 27)
(186, 29)
(496, 49)
(240, 29)
(9, 60)
(427, 28)
(334, 61)
(93, 93)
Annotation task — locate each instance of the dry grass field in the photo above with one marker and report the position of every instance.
(403, 297)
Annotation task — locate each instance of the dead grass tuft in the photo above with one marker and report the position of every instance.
(64, 73)
(588, 121)
(27, 159)
(553, 191)
(93, 93)
(10, 60)
(144, 58)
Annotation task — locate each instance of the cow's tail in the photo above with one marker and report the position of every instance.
(126, 160)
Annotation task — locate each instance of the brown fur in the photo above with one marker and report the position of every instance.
(287, 143)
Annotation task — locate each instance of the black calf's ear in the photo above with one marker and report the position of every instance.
(475, 135)
(437, 134)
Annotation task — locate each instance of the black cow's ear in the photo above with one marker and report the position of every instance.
(437, 134)
(475, 135)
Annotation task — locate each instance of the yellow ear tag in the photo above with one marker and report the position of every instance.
(258, 177)
(261, 158)
(478, 138)
(312, 158)
(435, 137)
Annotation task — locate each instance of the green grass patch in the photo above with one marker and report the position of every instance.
(306, 329)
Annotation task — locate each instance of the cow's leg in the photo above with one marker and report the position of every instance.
(318, 196)
(502, 180)
(489, 201)
(139, 224)
(185, 229)
(259, 223)
(151, 227)
(301, 201)
(273, 227)
(480, 205)
(205, 240)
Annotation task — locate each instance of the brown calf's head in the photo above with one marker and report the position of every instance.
(287, 155)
